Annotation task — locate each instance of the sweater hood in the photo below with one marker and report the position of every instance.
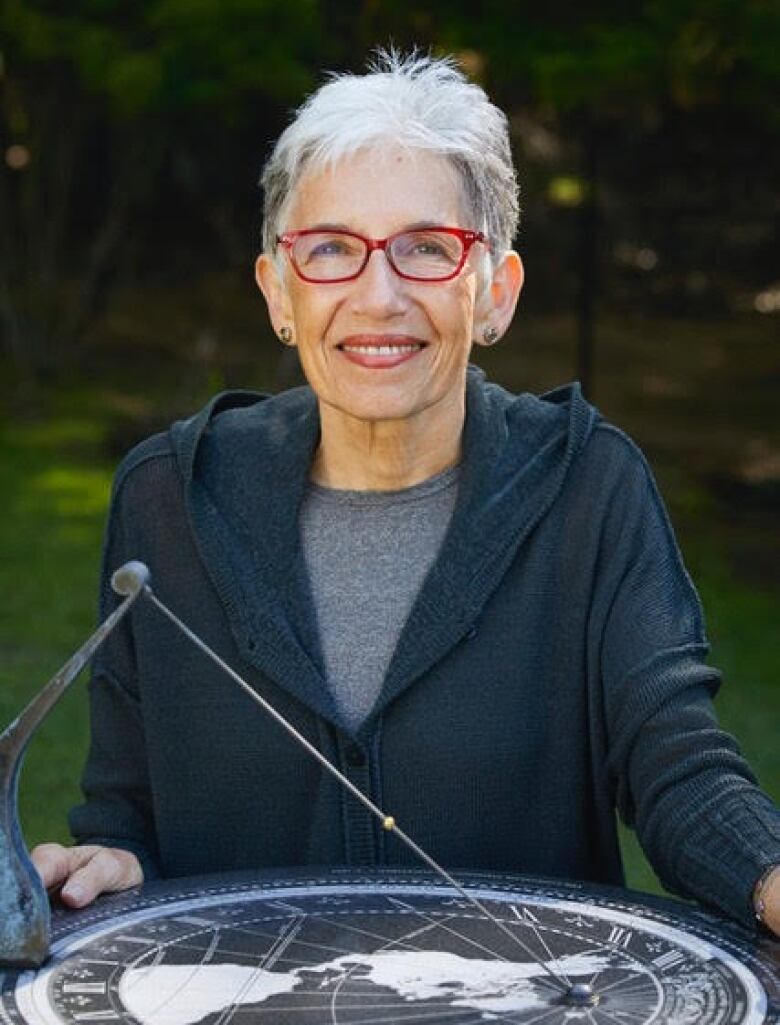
(245, 459)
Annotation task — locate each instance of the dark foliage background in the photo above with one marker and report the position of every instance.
(133, 132)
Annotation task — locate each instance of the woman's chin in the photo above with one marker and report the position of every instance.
(374, 405)
(378, 412)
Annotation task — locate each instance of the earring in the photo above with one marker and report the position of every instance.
(490, 335)
(286, 335)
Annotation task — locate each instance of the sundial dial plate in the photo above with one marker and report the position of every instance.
(347, 947)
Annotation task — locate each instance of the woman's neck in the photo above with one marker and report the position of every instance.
(385, 455)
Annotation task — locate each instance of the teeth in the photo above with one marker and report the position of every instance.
(382, 350)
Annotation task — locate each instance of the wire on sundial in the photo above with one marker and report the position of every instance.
(388, 822)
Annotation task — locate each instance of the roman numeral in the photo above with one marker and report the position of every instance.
(84, 987)
(620, 937)
(669, 960)
(524, 914)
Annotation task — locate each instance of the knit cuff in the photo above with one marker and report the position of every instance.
(726, 850)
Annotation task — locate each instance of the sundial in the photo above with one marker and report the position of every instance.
(339, 946)
(342, 946)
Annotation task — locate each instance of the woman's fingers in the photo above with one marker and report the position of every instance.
(771, 900)
(53, 862)
(107, 870)
(83, 873)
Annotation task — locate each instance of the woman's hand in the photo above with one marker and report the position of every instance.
(83, 873)
(767, 893)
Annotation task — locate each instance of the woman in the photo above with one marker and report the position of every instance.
(471, 602)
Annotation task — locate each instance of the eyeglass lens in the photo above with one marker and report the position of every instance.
(326, 256)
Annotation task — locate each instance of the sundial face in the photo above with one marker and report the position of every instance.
(342, 947)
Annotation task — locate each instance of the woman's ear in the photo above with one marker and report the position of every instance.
(274, 292)
(496, 305)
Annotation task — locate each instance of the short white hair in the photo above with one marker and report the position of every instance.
(414, 101)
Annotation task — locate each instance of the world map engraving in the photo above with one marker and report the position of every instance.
(185, 994)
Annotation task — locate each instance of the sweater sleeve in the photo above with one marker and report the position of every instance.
(117, 809)
(705, 825)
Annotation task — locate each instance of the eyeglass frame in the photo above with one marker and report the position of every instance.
(467, 239)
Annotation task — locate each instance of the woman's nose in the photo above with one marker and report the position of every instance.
(379, 289)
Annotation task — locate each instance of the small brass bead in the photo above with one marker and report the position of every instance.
(389, 823)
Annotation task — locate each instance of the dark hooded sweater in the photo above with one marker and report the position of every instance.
(551, 669)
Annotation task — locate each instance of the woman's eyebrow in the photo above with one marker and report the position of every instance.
(329, 226)
(422, 225)
(339, 226)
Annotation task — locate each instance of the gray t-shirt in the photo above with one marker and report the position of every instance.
(367, 554)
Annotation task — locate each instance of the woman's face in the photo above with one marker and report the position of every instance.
(427, 326)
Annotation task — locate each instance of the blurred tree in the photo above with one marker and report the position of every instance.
(603, 69)
(128, 123)
(91, 100)
(594, 73)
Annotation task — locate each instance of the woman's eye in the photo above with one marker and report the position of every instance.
(425, 247)
(333, 247)
(429, 249)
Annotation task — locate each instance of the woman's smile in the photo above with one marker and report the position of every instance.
(380, 351)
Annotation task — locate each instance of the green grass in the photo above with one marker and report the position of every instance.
(55, 480)
(55, 490)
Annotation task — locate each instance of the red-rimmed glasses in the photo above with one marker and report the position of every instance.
(423, 254)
